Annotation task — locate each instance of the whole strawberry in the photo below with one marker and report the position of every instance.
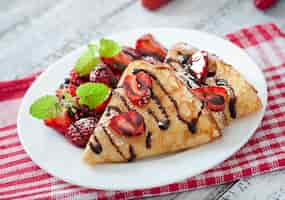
(153, 4)
(80, 131)
(264, 4)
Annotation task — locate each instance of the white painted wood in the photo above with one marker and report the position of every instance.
(265, 187)
(35, 33)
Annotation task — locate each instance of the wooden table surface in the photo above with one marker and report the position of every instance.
(35, 33)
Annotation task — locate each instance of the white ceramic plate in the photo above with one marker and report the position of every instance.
(52, 153)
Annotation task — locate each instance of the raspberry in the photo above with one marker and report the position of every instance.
(75, 79)
(79, 132)
(264, 4)
(103, 74)
(72, 89)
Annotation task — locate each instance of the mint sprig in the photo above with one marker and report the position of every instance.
(45, 107)
(108, 48)
(90, 58)
(87, 61)
(92, 94)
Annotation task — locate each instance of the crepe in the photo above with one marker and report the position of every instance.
(174, 117)
(220, 73)
(171, 101)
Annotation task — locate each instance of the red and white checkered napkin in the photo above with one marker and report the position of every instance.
(20, 178)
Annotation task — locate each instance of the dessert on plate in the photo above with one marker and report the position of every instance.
(122, 103)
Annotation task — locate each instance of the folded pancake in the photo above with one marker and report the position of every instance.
(243, 96)
(171, 119)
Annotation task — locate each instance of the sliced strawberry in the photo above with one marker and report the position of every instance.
(144, 79)
(60, 123)
(138, 88)
(129, 123)
(118, 62)
(147, 45)
(153, 4)
(199, 64)
(135, 54)
(214, 96)
(216, 102)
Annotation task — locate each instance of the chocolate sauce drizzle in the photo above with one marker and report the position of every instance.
(162, 124)
(114, 108)
(132, 154)
(113, 143)
(123, 100)
(232, 104)
(190, 124)
(148, 140)
(96, 148)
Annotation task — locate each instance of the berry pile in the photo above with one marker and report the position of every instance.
(77, 105)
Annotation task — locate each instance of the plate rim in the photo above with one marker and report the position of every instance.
(165, 181)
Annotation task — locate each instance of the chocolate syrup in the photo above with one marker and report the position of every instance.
(211, 74)
(148, 140)
(162, 124)
(114, 108)
(96, 148)
(169, 97)
(232, 104)
(132, 154)
(123, 100)
(113, 143)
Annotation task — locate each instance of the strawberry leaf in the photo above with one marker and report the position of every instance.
(45, 107)
(108, 48)
(92, 94)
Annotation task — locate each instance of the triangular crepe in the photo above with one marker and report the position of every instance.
(219, 73)
(190, 123)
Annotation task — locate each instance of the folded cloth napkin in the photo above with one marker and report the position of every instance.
(20, 178)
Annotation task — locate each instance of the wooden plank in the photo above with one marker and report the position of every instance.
(265, 187)
(65, 26)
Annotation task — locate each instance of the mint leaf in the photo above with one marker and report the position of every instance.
(108, 48)
(87, 61)
(94, 49)
(45, 107)
(92, 94)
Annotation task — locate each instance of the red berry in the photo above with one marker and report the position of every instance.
(138, 88)
(199, 64)
(75, 79)
(132, 52)
(214, 96)
(153, 4)
(118, 62)
(72, 89)
(103, 74)
(129, 123)
(264, 4)
(101, 107)
(60, 123)
(147, 45)
(80, 131)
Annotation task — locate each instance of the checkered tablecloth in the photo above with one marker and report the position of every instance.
(20, 178)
